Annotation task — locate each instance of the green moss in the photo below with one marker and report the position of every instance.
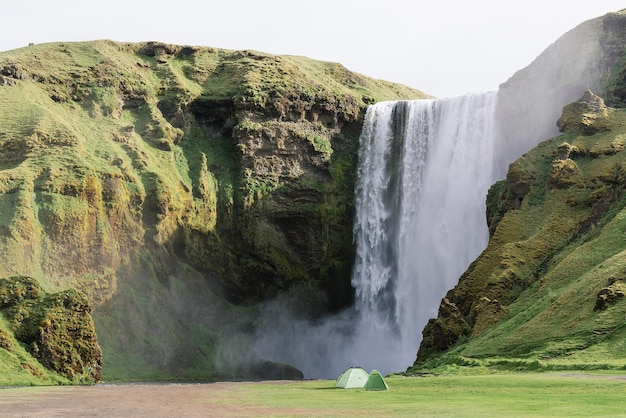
(554, 256)
(112, 153)
(321, 145)
(56, 329)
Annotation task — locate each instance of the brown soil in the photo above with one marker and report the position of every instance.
(131, 400)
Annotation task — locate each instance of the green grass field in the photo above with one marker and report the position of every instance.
(456, 396)
(492, 395)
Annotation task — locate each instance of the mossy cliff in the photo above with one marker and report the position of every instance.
(548, 290)
(56, 329)
(176, 187)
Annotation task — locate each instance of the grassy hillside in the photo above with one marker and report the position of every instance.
(176, 187)
(548, 292)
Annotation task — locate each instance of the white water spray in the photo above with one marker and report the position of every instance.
(424, 170)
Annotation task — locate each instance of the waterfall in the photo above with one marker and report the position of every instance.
(424, 170)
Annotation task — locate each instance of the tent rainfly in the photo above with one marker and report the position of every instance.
(354, 377)
(375, 381)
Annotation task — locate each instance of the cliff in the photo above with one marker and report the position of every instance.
(547, 292)
(177, 187)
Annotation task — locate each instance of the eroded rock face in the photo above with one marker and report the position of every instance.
(295, 170)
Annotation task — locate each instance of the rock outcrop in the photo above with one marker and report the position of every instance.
(588, 57)
(586, 115)
(57, 328)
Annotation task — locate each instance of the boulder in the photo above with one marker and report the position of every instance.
(588, 115)
(563, 173)
(269, 370)
(610, 295)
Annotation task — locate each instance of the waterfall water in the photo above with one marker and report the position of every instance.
(424, 170)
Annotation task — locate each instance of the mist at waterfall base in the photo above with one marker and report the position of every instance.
(424, 170)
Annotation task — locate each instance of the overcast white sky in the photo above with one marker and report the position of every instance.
(443, 47)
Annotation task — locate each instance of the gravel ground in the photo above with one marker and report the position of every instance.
(130, 400)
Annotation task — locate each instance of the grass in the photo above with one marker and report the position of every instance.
(512, 395)
(550, 258)
(113, 153)
(492, 395)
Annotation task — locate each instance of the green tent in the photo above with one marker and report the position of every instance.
(375, 381)
(354, 377)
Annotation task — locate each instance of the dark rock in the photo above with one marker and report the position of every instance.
(269, 370)
(610, 295)
(5, 81)
(13, 71)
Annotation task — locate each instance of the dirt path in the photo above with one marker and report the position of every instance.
(129, 400)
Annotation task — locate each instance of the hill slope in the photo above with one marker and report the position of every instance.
(176, 187)
(548, 291)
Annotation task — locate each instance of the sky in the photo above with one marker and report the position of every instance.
(442, 47)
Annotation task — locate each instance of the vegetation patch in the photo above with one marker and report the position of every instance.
(135, 172)
(56, 330)
(547, 293)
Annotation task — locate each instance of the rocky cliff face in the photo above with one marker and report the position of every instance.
(547, 292)
(168, 183)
